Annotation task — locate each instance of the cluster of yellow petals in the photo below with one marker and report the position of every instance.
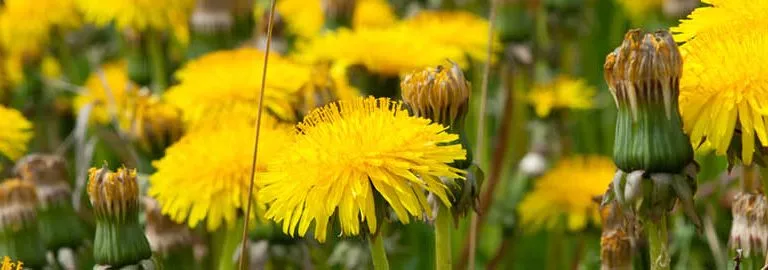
(724, 90)
(228, 82)
(205, 175)
(563, 92)
(113, 194)
(442, 27)
(566, 193)
(349, 152)
(306, 19)
(637, 10)
(26, 26)
(137, 15)
(388, 51)
(15, 133)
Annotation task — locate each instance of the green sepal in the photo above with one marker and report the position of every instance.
(651, 142)
(120, 244)
(60, 226)
(23, 243)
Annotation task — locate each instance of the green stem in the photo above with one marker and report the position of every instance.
(65, 58)
(443, 225)
(749, 178)
(658, 240)
(226, 241)
(378, 254)
(157, 58)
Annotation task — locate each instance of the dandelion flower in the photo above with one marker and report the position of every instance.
(15, 133)
(724, 90)
(25, 26)
(442, 26)
(351, 152)
(567, 190)
(135, 14)
(387, 51)
(226, 81)
(306, 19)
(373, 13)
(562, 93)
(721, 14)
(217, 188)
(637, 10)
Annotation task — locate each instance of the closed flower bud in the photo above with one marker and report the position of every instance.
(119, 238)
(19, 234)
(440, 94)
(59, 224)
(643, 76)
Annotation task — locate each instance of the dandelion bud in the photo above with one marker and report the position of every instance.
(119, 238)
(643, 76)
(59, 224)
(170, 240)
(19, 234)
(440, 94)
(749, 231)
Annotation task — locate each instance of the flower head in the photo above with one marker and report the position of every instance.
(229, 81)
(18, 204)
(387, 51)
(218, 186)
(373, 13)
(49, 175)
(442, 26)
(562, 93)
(15, 133)
(136, 14)
(722, 14)
(114, 195)
(724, 90)
(749, 231)
(351, 152)
(567, 190)
(306, 18)
(440, 94)
(26, 26)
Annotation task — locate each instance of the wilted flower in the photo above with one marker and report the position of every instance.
(119, 239)
(749, 231)
(19, 235)
(351, 152)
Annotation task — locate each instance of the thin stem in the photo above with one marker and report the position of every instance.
(227, 239)
(157, 58)
(479, 146)
(378, 253)
(443, 224)
(258, 129)
(658, 240)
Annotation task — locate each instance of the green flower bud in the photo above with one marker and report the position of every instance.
(119, 239)
(19, 234)
(643, 76)
(59, 224)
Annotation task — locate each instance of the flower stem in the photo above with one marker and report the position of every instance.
(443, 239)
(157, 58)
(658, 240)
(378, 254)
(749, 178)
(225, 245)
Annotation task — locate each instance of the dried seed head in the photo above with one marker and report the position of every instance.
(18, 204)
(48, 173)
(749, 230)
(616, 241)
(440, 94)
(163, 234)
(212, 16)
(114, 195)
(645, 69)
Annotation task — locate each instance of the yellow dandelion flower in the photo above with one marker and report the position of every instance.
(639, 9)
(350, 150)
(135, 14)
(303, 18)
(387, 51)
(14, 72)
(562, 93)
(116, 94)
(724, 88)
(227, 81)
(373, 13)
(566, 192)
(721, 14)
(442, 26)
(205, 175)
(25, 26)
(15, 133)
